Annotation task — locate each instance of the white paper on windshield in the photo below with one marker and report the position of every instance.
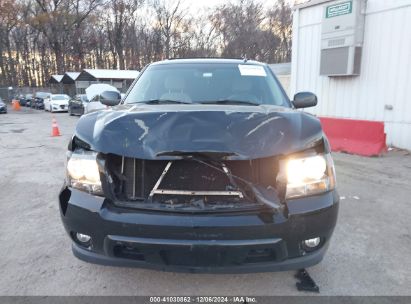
(252, 70)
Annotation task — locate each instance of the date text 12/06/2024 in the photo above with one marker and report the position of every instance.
(203, 299)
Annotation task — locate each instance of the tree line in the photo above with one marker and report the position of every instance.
(43, 37)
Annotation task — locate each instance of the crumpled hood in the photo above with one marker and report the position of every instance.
(243, 132)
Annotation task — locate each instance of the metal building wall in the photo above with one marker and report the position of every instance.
(385, 79)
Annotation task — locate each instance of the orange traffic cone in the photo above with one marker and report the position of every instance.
(54, 128)
(16, 105)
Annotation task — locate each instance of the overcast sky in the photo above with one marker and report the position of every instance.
(197, 5)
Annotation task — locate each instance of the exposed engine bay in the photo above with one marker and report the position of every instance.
(194, 182)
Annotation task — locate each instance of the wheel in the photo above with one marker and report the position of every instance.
(69, 111)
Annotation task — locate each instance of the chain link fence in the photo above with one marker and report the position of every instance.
(8, 93)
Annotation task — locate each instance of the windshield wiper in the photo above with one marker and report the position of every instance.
(231, 101)
(162, 101)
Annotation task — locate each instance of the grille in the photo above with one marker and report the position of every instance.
(185, 255)
(141, 176)
(336, 42)
(191, 182)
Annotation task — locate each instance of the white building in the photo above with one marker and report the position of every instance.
(381, 90)
(120, 79)
(283, 73)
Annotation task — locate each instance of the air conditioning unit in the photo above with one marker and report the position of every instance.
(342, 37)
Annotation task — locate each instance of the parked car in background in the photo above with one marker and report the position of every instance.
(38, 101)
(23, 100)
(93, 94)
(77, 104)
(3, 107)
(57, 103)
(26, 100)
(29, 102)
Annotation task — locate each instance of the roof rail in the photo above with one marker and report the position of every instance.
(206, 57)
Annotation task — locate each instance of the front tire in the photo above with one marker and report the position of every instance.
(51, 109)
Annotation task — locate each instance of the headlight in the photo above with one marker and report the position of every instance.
(83, 172)
(309, 175)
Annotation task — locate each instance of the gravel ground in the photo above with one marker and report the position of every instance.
(369, 253)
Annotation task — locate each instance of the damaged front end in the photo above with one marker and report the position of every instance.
(193, 183)
(245, 198)
(198, 160)
(196, 182)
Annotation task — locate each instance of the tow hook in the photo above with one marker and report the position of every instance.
(306, 282)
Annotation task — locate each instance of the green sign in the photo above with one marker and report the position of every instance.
(339, 9)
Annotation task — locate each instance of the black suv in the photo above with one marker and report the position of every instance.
(38, 100)
(205, 166)
(3, 107)
(77, 104)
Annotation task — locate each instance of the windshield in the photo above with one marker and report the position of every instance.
(60, 97)
(83, 98)
(221, 83)
(42, 95)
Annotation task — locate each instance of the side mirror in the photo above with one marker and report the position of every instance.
(304, 100)
(110, 98)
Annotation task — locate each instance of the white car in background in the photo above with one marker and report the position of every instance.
(57, 103)
(93, 94)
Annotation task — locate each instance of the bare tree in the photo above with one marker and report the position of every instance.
(204, 38)
(245, 30)
(56, 19)
(120, 17)
(239, 27)
(43, 37)
(170, 16)
(8, 22)
(280, 23)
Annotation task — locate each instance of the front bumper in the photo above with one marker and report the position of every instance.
(59, 109)
(3, 110)
(219, 243)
